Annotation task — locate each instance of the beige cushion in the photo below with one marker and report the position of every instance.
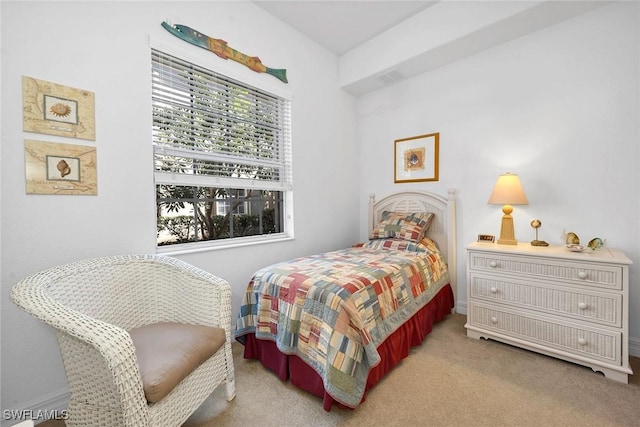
(168, 352)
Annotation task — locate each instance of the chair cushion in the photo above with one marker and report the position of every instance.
(168, 352)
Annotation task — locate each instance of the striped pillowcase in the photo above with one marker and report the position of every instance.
(402, 225)
(426, 245)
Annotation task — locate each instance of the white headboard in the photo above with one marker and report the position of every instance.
(442, 229)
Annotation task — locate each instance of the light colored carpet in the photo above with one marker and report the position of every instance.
(450, 380)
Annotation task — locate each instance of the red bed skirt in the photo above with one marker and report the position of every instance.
(395, 348)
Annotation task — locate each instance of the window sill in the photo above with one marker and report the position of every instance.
(188, 248)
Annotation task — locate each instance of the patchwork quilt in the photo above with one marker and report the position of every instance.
(333, 309)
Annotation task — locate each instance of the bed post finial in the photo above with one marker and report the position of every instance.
(451, 243)
(371, 219)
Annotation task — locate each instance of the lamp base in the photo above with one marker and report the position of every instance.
(507, 235)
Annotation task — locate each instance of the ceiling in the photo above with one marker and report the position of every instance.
(344, 26)
(340, 26)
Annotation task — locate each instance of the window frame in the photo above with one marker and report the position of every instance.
(237, 72)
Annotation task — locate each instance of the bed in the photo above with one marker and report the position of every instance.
(335, 323)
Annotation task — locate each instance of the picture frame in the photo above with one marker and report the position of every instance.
(54, 109)
(486, 238)
(416, 158)
(55, 168)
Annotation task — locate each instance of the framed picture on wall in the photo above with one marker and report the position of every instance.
(54, 109)
(416, 158)
(65, 169)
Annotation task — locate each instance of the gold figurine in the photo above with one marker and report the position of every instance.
(536, 223)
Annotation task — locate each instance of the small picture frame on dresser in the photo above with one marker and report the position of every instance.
(486, 238)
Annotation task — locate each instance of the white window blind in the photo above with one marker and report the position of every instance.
(211, 130)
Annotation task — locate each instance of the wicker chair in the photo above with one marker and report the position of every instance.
(93, 303)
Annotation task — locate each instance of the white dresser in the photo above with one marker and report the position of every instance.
(569, 305)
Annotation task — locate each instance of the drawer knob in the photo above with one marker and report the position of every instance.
(582, 305)
(582, 341)
(582, 275)
(494, 320)
(493, 264)
(493, 290)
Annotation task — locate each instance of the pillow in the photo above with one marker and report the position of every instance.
(425, 245)
(402, 225)
(168, 352)
(393, 244)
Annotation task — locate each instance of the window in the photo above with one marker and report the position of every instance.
(222, 155)
(233, 203)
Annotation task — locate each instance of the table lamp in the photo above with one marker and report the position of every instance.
(507, 191)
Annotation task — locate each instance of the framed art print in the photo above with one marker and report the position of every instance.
(53, 168)
(416, 158)
(54, 109)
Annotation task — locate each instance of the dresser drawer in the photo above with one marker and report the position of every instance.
(588, 274)
(580, 304)
(591, 343)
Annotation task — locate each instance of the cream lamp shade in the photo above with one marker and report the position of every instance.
(507, 192)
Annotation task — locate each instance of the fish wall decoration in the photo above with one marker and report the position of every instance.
(222, 49)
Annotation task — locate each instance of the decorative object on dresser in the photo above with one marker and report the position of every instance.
(536, 223)
(572, 238)
(595, 243)
(508, 191)
(487, 238)
(569, 305)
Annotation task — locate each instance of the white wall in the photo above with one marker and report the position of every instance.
(104, 47)
(559, 107)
